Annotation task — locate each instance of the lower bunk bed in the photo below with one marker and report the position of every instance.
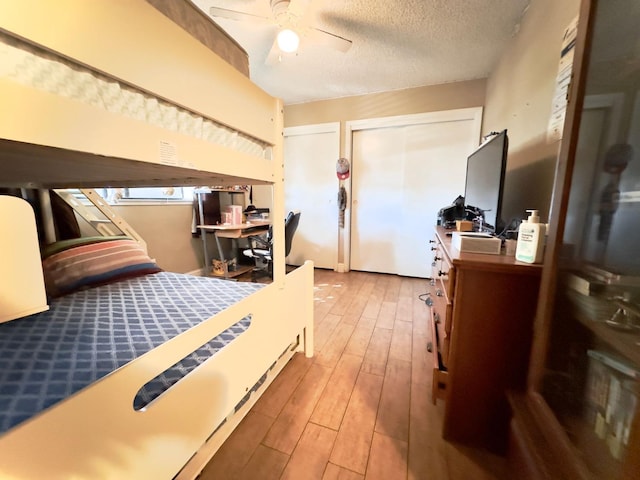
(143, 377)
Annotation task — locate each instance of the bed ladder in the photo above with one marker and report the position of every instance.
(112, 224)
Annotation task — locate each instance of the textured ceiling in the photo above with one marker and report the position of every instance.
(397, 44)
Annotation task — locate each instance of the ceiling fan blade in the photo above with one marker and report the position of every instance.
(238, 16)
(330, 39)
(299, 8)
(274, 56)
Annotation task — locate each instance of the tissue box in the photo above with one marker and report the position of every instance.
(475, 242)
(236, 214)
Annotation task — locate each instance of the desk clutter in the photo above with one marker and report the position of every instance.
(230, 225)
(255, 214)
(228, 265)
(232, 215)
(223, 268)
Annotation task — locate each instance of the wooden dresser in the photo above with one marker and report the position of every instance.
(482, 311)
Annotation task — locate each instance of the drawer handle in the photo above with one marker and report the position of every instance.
(428, 301)
(441, 273)
(433, 264)
(436, 317)
(436, 258)
(432, 282)
(439, 293)
(432, 241)
(429, 347)
(434, 248)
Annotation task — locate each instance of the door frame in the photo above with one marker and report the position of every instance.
(460, 114)
(318, 128)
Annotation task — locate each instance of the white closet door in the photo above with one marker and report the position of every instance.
(378, 173)
(311, 186)
(402, 176)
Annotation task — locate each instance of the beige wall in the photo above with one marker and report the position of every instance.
(398, 102)
(519, 97)
(167, 231)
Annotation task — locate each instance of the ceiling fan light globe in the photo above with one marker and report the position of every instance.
(288, 40)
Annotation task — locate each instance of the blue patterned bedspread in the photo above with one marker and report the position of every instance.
(85, 335)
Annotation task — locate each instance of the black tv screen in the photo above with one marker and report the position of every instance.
(485, 178)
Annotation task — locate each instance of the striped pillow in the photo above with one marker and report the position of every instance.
(61, 245)
(94, 264)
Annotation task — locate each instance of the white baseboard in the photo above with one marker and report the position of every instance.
(197, 273)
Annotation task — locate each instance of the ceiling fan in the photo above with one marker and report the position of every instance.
(292, 24)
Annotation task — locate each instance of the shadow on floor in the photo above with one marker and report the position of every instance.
(261, 278)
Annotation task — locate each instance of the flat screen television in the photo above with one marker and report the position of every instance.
(485, 181)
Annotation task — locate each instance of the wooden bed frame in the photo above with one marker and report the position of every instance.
(50, 141)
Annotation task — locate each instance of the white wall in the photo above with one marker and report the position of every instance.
(519, 97)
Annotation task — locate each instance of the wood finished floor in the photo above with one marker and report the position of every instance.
(361, 407)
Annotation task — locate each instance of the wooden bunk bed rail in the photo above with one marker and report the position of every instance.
(96, 433)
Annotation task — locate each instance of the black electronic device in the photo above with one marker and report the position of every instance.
(448, 215)
(484, 184)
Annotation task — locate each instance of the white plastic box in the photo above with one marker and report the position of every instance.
(476, 242)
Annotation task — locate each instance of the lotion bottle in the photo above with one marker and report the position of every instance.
(530, 246)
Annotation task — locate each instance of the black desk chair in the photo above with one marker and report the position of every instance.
(261, 248)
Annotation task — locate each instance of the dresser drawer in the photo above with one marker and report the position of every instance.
(443, 276)
(439, 372)
(443, 272)
(444, 306)
(438, 358)
(446, 280)
(448, 317)
(438, 316)
(444, 349)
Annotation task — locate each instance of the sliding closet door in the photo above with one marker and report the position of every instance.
(404, 170)
(377, 191)
(311, 186)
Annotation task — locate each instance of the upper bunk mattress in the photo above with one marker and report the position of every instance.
(114, 117)
(47, 357)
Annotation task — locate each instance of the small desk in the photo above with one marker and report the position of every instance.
(234, 232)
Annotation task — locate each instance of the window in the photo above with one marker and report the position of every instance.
(147, 194)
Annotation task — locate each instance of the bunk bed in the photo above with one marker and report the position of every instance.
(107, 93)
